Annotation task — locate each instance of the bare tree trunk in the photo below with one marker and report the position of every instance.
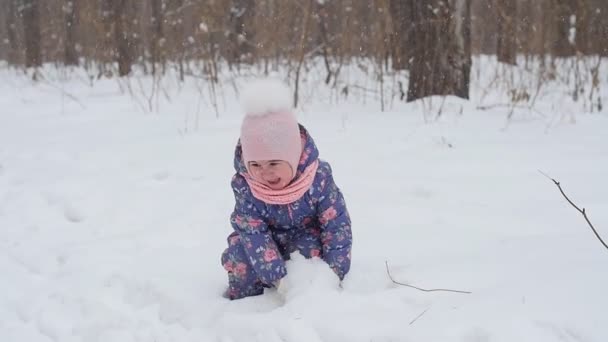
(544, 28)
(442, 59)
(485, 28)
(71, 21)
(401, 37)
(30, 12)
(122, 36)
(506, 49)
(240, 33)
(174, 18)
(582, 27)
(603, 34)
(11, 31)
(561, 20)
(107, 52)
(157, 19)
(526, 28)
(598, 27)
(322, 18)
(302, 50)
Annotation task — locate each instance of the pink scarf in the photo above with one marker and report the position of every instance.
(289, 194)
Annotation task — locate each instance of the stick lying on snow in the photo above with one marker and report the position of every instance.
(417, 288)
(577, 208)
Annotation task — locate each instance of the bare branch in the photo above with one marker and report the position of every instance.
(511, 106)
(63, 91)
(582, 211)
(420, 315)
(418, 288)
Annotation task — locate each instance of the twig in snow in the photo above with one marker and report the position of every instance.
(63, 91)
(418, 288)
(131, 93)
(420, 315)
(440, 111)
(511, 106)
(582, 211)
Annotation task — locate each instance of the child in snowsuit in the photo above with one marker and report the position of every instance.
(286, 198)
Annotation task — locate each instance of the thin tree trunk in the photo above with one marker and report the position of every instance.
(322, 18)
(122, 37)
(545, 21)
(107, 53)
(175, 33)
(11, 31)
(603, 28)
(441, 62)
(601, 36)
(561, 21)
(505, 48)
(157, 33)
(302, 50)
(525, 31)
(30, 12)
(71, 21)
(582, 27)
(240, 33)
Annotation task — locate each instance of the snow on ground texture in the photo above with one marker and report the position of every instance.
(112, 223)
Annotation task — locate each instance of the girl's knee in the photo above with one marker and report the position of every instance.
(225, 257)
(233, 239)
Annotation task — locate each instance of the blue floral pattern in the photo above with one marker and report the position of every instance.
(316, 225)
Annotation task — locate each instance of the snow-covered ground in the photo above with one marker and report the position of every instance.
(112, 221)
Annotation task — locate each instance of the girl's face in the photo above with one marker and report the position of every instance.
(276, 174)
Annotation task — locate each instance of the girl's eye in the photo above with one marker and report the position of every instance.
(255, 165)
(274, 164)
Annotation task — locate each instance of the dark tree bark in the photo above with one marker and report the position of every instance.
(174, 19)
(122, 36)
(322, 17)
(156, 49)
(561, 46)
(602, 36)
(582, 27)
(106, 47)
(598, 27)
(11, 32)
(401, 46)
(441, 61)
(70, 8)
(484, 27)
(30, 12)
(526, 28)
(506, 49)
(240, 32)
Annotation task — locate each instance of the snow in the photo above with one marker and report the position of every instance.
(112, 221)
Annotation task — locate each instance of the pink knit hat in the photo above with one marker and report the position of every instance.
(270, 130)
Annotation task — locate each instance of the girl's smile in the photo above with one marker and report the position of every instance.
(276, 174)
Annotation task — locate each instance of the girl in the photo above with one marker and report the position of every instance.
(286, 198)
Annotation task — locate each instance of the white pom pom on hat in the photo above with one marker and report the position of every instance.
(270, 130)
(266, 95)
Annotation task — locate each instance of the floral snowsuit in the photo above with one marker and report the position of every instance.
(316, 225)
